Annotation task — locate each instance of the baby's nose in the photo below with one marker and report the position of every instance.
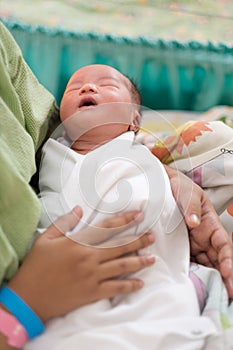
(88, 87)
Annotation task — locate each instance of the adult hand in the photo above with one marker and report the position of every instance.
(209, 241)
(59, 275)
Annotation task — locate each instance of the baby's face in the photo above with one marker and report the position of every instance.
(93, 86)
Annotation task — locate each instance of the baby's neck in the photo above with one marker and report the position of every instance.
(84, 147)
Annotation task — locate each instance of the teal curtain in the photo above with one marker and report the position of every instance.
(170, 74)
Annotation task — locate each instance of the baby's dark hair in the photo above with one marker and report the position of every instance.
(135, 93)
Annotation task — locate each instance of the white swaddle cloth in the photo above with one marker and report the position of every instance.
(164, 314)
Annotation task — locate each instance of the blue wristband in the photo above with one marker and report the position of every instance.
(24, 314)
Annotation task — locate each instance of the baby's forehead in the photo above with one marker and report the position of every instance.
(95, 73)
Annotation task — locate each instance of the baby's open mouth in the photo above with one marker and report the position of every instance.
(87, 102)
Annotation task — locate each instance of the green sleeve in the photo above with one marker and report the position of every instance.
(25, 108)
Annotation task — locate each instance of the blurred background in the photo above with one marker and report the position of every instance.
(180, 53)
(198, 20)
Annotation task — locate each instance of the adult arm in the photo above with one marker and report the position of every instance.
(209, 241)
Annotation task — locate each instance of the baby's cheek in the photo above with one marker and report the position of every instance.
(68, 108)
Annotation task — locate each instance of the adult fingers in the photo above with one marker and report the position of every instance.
(188, 196)
(229, 286)
(222, 246)
(112, 288)
(225, 260)
(104, 232)
(143, 241)
(64, 224)
(203, 259)
(119, 222)
(191, 205)
(122, 266)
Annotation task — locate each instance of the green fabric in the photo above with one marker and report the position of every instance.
(24, 110)
(171, 75)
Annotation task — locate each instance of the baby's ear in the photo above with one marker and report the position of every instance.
(136, 120)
